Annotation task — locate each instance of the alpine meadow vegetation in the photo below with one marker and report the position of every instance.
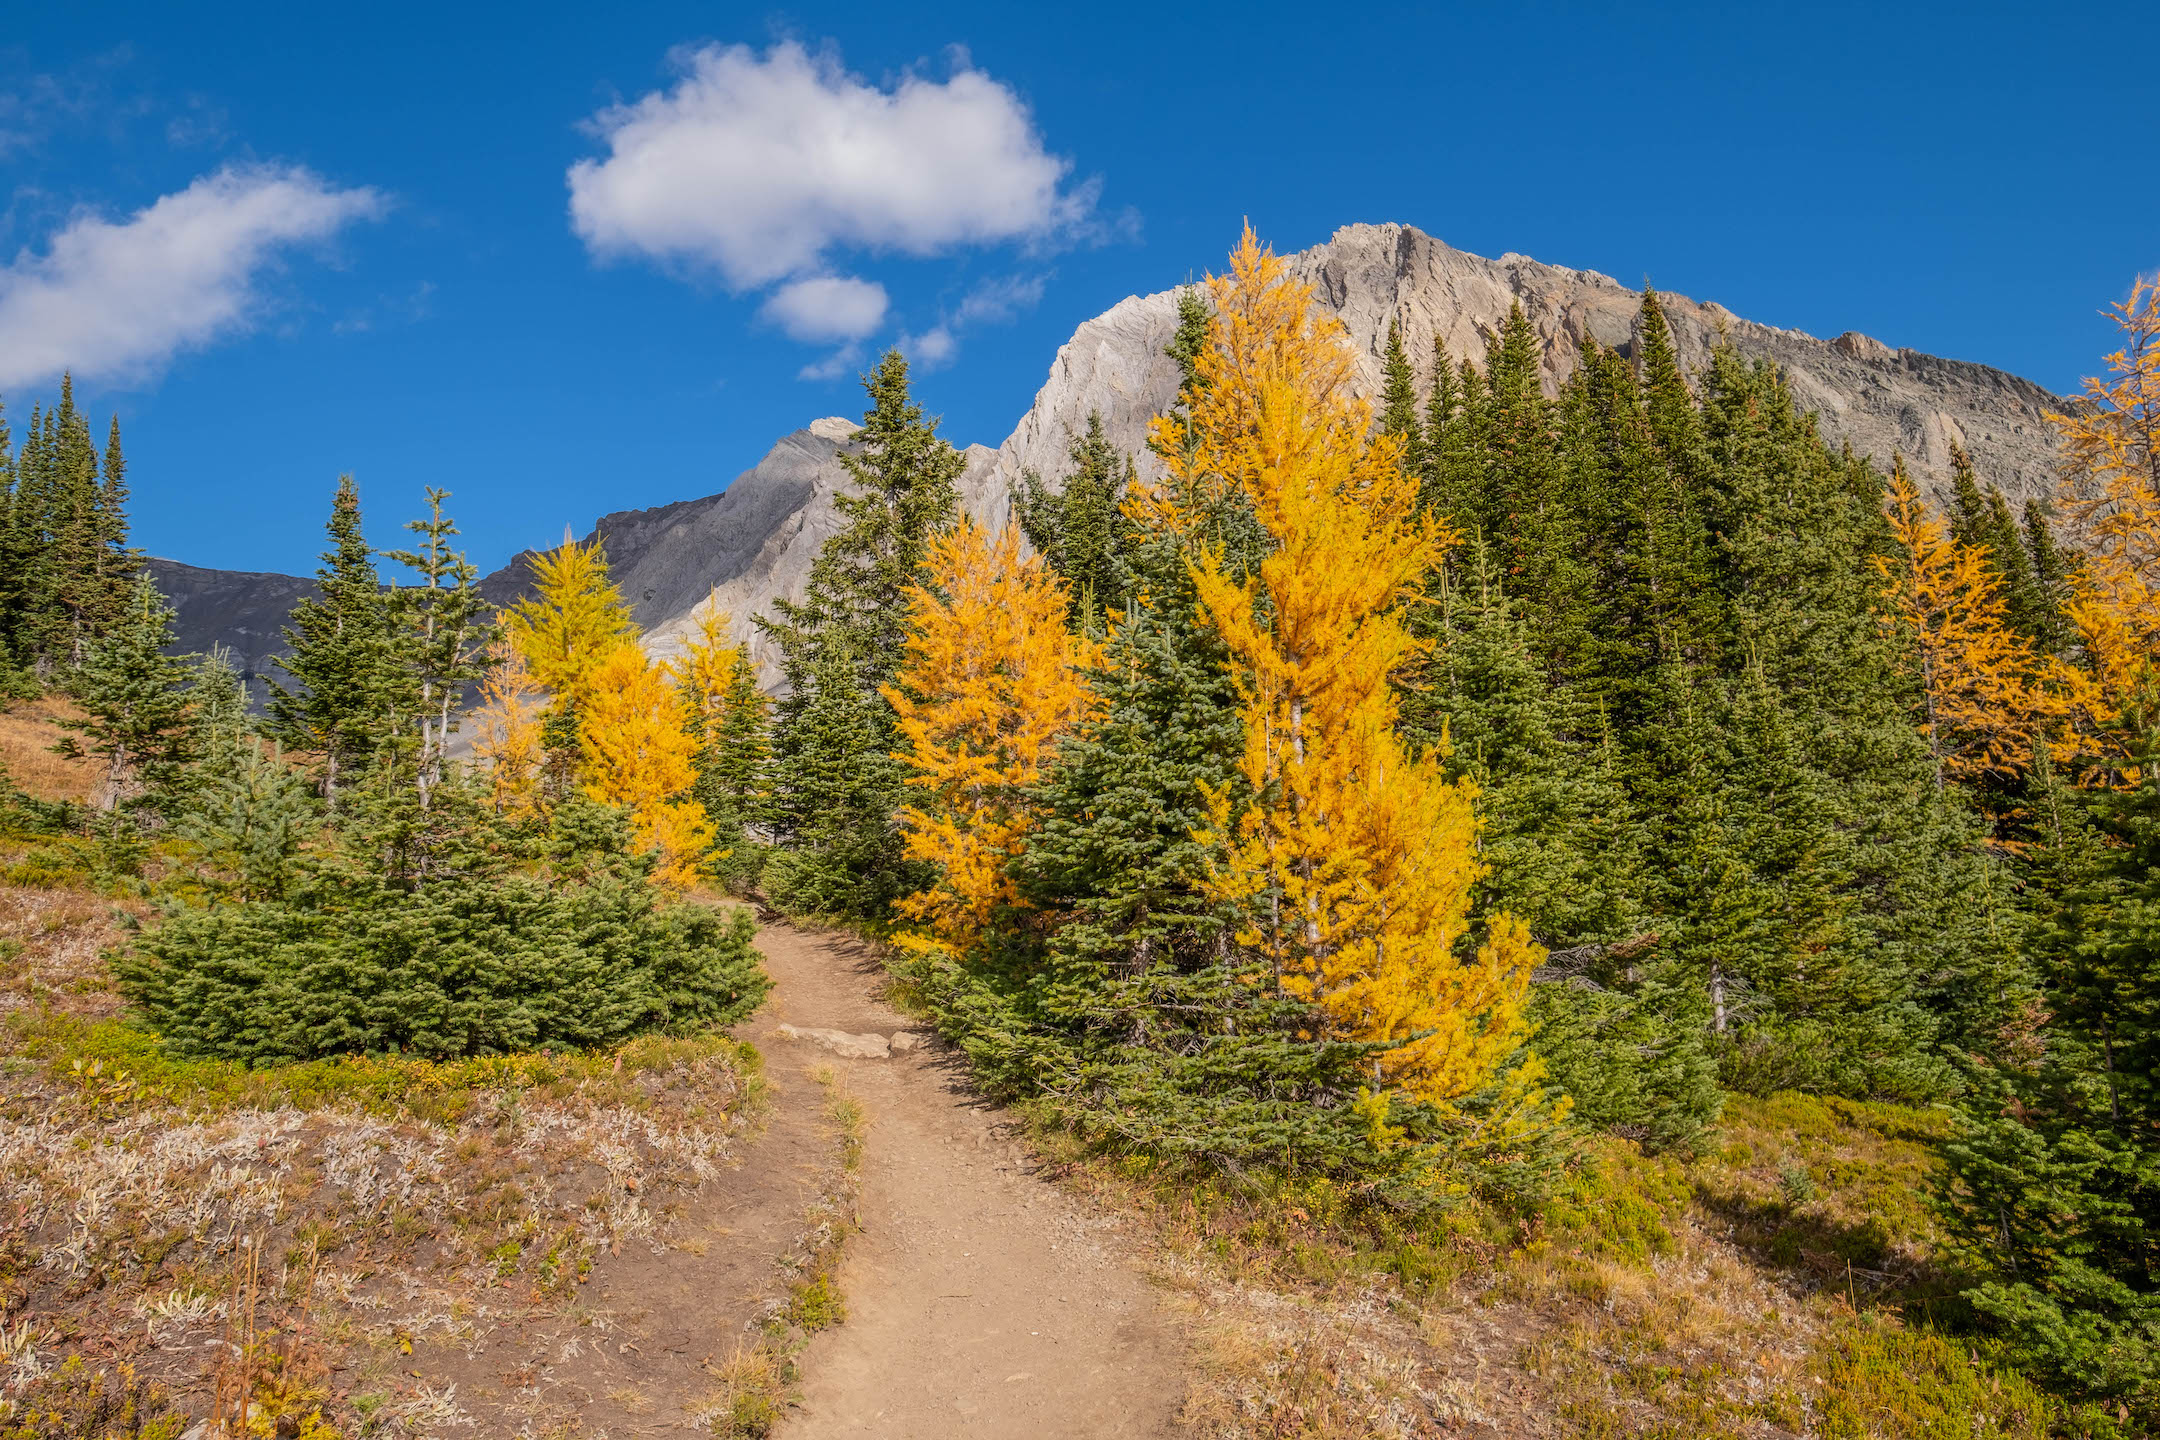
(1576, 838)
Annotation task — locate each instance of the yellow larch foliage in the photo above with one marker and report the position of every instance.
(2110, 495)
(1979, 679)
(574, 622)
(1353, 859)
(991, 681)
(708, 666)
(637, 755)
(508, 722)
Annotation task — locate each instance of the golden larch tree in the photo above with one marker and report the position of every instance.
(574, 620)
(1984, 708)
(508, 724)
(708, 666)
(1353, 859)
(637, 754)
(992, 679)
(2110, 497)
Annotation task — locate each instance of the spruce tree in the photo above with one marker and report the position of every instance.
(1447, 441)
(1399, 400)
(2051, 570)
(841, 644)
(15, 557)
(1081, 530)
(734, 778)
(2054, 1174)
(341, 653)
(438, 643)
(138, 709)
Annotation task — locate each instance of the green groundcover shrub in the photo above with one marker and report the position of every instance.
(476, 965)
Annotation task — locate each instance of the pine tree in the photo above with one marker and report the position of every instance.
(1081, 530)
(440, 639)
(1523, 507)
(114, 563)
(2052, 1183)
(340, 651)
(734, 777)
(247, 814)
(837, 793)
(1446, 470)
(15, 559)
(2051, 571)
(1399, 401)
(137, 705)
(841, 644)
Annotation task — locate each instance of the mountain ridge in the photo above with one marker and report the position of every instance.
(753, 540)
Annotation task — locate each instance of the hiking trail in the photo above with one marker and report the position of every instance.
(982, 1300)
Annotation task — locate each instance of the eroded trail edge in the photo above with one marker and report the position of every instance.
(982, 1300)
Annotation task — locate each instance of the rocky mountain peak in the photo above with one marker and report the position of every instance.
(754, 541)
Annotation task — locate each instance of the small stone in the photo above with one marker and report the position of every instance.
(906, 1040)
(841, 1043)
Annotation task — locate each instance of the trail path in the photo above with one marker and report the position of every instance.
(982, 1300)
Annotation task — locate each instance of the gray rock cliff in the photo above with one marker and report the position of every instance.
(754, 541)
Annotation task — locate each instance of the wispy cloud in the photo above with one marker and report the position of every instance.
(994, 302)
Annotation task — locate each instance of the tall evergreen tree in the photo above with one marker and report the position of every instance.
(2054, 1174)
(439, 642)
(1081, 529)
(841, 644)
(137, 708)
(1399, 400)
(341, 653)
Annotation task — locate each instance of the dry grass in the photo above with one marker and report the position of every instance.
(52, 943)
(380, 1207)
(758, 1381)
(28, 731)
(1755, 1292)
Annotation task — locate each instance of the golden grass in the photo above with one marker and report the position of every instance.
(28, 731)
(381, 1203)
(1754, 1292)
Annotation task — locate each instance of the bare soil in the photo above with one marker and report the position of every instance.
(982, 1299)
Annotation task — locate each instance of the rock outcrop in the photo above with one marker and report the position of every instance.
(754, 540)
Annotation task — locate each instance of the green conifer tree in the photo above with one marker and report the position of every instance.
(1081, 530)
(341, 653)
(439, 641)
(137, 707)
(842, 643)
(1399, 400)
(735, 780)
(2054, 1175)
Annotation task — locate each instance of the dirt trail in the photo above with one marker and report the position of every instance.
(982, 1300)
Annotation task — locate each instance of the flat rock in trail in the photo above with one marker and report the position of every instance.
(981, 1300)
(840, 1042)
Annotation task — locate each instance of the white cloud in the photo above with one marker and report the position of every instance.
(996, 301)
(833, 366)
(119, 299)
(759, 169)
(934, 347)
(827, 307)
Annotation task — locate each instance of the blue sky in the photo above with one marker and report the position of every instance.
(563, 260)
